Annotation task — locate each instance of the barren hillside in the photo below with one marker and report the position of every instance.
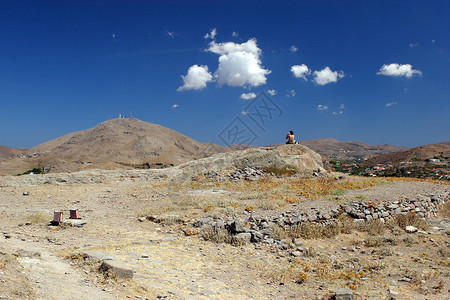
(113, 144)
(6, 152)
(417, 154)
(334, 149)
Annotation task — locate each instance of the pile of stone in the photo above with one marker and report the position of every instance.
(424, 206)
(246, 173)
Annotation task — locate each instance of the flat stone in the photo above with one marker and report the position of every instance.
(244, 237)
(392, 291)
(29, 254)
(343, 294)
(411, 229)
(96, 255)
(117, 268)
(75, 222)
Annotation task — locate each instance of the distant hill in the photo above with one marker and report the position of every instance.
(116, 143)
(6, 152)
(418, 155)
(331, 148)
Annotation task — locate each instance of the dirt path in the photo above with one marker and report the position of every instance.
(51, 277)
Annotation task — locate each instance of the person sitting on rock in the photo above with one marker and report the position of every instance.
(291, 138)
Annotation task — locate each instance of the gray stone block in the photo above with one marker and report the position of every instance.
(244, 237)
(343, 294)
(117, 268)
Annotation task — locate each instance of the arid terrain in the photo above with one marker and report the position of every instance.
(158, 217)
(165, 229)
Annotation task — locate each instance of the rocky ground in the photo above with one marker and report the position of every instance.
(145, 223)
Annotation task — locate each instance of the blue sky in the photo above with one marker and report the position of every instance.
(371, 71)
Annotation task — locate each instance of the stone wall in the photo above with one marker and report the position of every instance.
(258, 229)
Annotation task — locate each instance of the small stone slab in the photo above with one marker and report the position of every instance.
(75, 222)
(411, 229)
(96, 255)
(117, 268)
(343, 294)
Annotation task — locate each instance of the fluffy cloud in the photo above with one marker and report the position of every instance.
(293, 49)
(300, 71)
(398, 70)
(211, 35)
(322, 107)
(248, 96)
(175, 106)
(239, 64)
(272, 92)
(390, 104)
(326, 76)
(230, 47)
(196, 78)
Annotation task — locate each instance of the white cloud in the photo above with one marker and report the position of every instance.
(196, 78)
(390, 104)
(398, 70)
(211, 35)
(175, 106)
(171, 34)
(248, 96)
(239, 64)
(322, 107)
(272, 92)
(413, 45)
(291, 93)
(235, 34)
(335, 113)
(293, 49)
(342, 106)
(433, 41)
(300, 71)
(244, 112)
(229, 47)
(113, 35)
(326, 76)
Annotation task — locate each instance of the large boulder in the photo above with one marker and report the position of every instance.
(297, 156)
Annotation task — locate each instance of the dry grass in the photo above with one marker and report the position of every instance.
(219, 235)
(445, 210)
(374, 227)
(283, 171)
(37, 218)
(411, 219)
(268, 193)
